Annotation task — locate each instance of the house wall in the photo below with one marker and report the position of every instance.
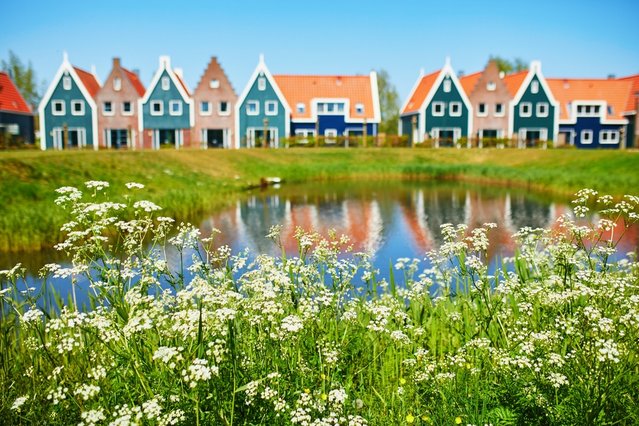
(337, 122)
(79, 121)
(446, 121)
(594, 124)
(257, 121)
(24, 123)
(165, 121)
(408, 127)
(481, 94)
(534, 122)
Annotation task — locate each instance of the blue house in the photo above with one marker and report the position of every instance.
(262, 115)
(437, 109)
(166, 115)
(68, 112)
(592, 111)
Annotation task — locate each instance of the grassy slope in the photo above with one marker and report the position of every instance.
(189, 182)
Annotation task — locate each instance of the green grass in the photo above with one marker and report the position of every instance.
(188, 183)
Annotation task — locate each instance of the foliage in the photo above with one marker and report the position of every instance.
(24, 78)
(388, 103)
(508, 66)
(551, 337)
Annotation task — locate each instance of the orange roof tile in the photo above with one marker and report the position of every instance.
(421, 91)
(513, 81)
(304, 88)
(10, 98)
(135, 81)
(469, 82)
(613, 92)
(89, 81)
(632, 103)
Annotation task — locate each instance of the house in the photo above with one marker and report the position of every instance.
(68, 111)
(490, 99)
(214, 100)
(591, 111)
(437, 109)
(262, 114)
(117, 102)
(331, 106)
(631, 112)
(166, 113)
(16, 117)
(533, 114)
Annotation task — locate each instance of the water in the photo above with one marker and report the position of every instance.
(389, 220)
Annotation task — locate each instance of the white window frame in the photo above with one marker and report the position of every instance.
(338, 107)
(62, 110)
(459, 109)
(448, 85)
(301, 107)
(443, 109)
(131, 110)
(202, 112)
(104, 110)
(521, 109)
(257, 108)
(534, 87)
(541, 113)
(117, 84)
(479, 112)
(66, 82)
(75, 102)
(156, 113)
(329, 134)
(609, 141)
(173, 103)
(304, 134)
(268, 104)
(261, 84)
(214, 83)
(166, 83)
(582, 138)
(503, 110)
(219, 108)
(359, 108)
(491, 86)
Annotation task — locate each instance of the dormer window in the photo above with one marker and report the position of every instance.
(359, 109)
(117, 84)
(214, 84)
(165, 83)
(261, 83)
(446, 86)
(534, 87)
(301, 108)
(491, 86)
(66, 82)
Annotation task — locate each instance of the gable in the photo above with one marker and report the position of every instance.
(157, 91)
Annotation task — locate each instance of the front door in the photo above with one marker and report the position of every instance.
(533, 137)
(118, 138)
(215, 138)
(446, 137)
(166, 138)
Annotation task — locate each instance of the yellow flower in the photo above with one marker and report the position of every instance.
(307, 391)
(323, 396)
(323, 376)
(426, 419)
(410, 419)
(402, 381)
(458, 420)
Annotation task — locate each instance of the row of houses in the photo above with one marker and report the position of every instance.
(78, 110)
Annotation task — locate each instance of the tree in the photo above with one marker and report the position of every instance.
(388, 103)
(23, 77)
(510, 66)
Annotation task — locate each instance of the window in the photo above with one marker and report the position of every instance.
(205, 108)
(534, 87)
(438, 109)
(157, 108)
(261, 83)
(499, 110)
(223, 108)
(13, 129)
(359, 108)
(252, 108)
(270, 107)
(214, 84)
(446, 86)
(588, 110)
(481, 110)
(107, 108)
(175, 107)
(491, 86)
(77, 107)
(525, 109)
(117, 84)
(165, 83)
(608, 137)
(455, 109)
(66, 82)
(127, 108)
(303, 135)
(330, 135)
(542, 109)
(330, 108)
(301, 108)
(57, 107)
(586, 136)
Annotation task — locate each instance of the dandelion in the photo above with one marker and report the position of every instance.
(410, 419)
(458, 420)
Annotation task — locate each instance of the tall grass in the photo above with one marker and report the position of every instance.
(318, 339)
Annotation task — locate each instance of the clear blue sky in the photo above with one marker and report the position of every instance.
(572, 38)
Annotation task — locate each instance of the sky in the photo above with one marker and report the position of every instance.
(571, 38)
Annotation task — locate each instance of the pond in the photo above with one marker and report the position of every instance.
(388, 219)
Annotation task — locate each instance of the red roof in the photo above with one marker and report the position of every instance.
(631, 104)
(89, 81)
(421, 91)
(135, 81)
(186, 90)
(10, 97)
(513, 81)
(613, 92)
(469, 82)
(304, 88)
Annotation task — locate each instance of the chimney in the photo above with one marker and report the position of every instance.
(460, 73)
(136, 71)
(116, 62)
(611, 76)
(502, 74)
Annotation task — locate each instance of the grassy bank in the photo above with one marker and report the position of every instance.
(187, 183)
